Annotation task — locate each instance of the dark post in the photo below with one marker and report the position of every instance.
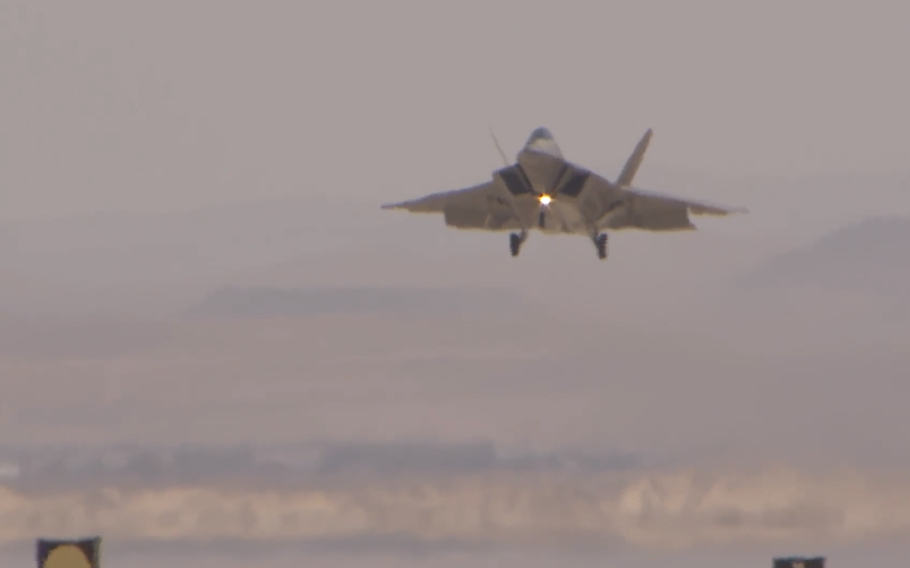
(800, 562)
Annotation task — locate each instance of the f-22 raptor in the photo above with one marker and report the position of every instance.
(542, 190)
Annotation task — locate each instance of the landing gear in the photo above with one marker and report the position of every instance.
(600, 241)
(516, 240)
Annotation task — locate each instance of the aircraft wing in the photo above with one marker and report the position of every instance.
(655, 200)
(624, 207)
(481, 207)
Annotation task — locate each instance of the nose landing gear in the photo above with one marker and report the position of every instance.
(516, 240)
(600, 241)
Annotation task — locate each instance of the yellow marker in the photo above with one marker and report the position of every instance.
(81, 553)
(67, 556)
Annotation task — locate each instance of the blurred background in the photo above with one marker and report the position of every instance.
(215, 348)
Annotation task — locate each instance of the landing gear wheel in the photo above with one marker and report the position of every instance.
(515, 243)
(601, 243)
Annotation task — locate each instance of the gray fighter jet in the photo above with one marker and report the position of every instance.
(542, 190)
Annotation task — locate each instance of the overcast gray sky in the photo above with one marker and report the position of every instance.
(167, 105)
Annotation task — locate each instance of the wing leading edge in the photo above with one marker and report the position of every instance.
(693, 207)
(491, 206)
(436, 202)
(616, 207)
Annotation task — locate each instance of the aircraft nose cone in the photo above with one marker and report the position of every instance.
(540, 133)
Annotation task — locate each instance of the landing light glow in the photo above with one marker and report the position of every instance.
(545, 199)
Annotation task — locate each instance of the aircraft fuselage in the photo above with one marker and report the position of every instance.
(554, 177)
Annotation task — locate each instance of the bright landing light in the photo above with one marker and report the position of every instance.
(545, 199)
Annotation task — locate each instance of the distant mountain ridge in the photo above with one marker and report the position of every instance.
(870, 257)
(157, 263)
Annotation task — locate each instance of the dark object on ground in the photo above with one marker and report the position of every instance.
(800, 562)
(79, 553)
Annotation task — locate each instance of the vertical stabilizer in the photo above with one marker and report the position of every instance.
(634, 162)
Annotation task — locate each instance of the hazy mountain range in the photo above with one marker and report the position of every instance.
(155, 264)
(870, 257)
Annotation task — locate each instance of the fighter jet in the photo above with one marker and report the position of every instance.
(544, 191)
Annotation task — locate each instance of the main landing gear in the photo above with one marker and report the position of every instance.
(516, 240)
(600, 241)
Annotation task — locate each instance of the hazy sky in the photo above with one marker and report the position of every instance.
(168, 105)
(173, 106)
